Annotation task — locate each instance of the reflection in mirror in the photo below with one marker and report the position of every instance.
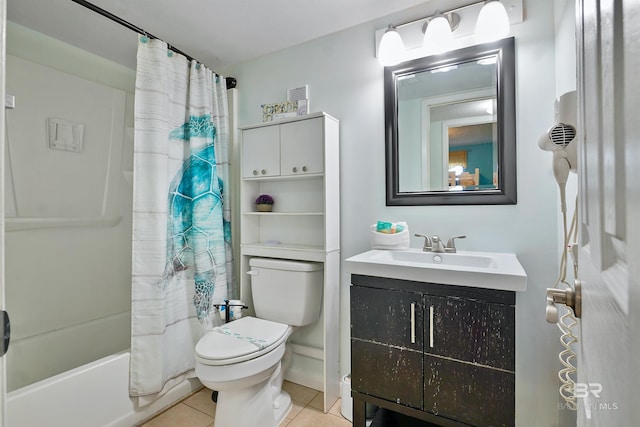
(450, 128)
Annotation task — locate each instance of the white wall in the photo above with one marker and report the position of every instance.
(346, 81)
(68, 240)
(566, 73)
(565, 37)
(565, 45)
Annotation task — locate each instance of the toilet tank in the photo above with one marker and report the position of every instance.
(286, 291)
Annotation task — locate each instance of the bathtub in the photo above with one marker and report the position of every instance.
(92, 395)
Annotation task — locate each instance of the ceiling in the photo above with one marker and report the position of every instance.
(218, 33)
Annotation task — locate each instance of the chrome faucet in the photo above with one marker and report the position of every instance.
(451, 244)
(427, 242)
(435, 244)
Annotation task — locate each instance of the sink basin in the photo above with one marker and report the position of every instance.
(492, 270)
(431, 258)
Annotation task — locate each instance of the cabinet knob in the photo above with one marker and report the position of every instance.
(255, 172)
(263, 171)
(295, 169)
(304, 169)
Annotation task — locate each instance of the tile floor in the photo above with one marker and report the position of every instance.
(198, 410)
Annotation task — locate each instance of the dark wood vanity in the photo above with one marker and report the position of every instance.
(430, 354)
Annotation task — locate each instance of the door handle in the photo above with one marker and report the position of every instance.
(572, 298)
(431, 326)
(413, 323)
(6, 332)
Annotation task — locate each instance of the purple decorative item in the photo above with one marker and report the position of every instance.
(264, 203)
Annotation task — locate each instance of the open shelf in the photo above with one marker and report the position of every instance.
(285, 213)
(284, 178)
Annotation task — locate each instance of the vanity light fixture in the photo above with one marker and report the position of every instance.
(438, 32)
(391, 48)
(492, 23)
(479, 22)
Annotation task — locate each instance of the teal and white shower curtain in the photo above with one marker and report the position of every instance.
(181, 262)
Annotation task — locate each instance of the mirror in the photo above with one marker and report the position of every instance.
(450, 128)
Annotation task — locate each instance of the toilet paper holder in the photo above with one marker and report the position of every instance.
(227, 304)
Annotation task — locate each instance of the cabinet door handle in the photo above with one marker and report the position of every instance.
(264, 171)
(5, 330)
(295, 169)
(304, 169)
(255, 172)
(431, 326)
(413, 323)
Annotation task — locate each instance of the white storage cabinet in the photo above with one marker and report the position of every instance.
(296, 161)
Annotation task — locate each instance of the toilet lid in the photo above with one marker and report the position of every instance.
(240, 338)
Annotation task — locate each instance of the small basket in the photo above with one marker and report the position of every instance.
(397, 241)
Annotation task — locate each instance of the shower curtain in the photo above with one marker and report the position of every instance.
(181, 262)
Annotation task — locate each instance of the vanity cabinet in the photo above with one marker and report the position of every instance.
(439, 353)
(296, 161)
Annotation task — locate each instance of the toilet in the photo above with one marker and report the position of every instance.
(244, 360)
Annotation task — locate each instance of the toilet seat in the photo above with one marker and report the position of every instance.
(240, 340)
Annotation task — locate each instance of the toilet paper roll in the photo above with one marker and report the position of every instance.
(235, 313)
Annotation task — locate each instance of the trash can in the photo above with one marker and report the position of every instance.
(346, 405)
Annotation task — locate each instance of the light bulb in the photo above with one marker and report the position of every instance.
(391, 49)
(438, 37)
(493, 22)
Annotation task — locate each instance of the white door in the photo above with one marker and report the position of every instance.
(3, 378)
(608, 36)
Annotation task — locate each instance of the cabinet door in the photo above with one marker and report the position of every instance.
(302, 148)
(261, 152)
(390, 373)
(385, 316)
(386, 345)
(471, 331)
(469, 393)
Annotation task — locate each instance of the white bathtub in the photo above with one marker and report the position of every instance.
(93, 395)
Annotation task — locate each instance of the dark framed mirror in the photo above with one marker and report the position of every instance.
(450, 129)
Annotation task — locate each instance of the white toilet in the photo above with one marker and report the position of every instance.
(242, 359)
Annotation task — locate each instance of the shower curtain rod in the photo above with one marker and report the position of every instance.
(231, 82)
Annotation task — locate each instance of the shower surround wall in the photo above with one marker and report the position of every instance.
(68, 214)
